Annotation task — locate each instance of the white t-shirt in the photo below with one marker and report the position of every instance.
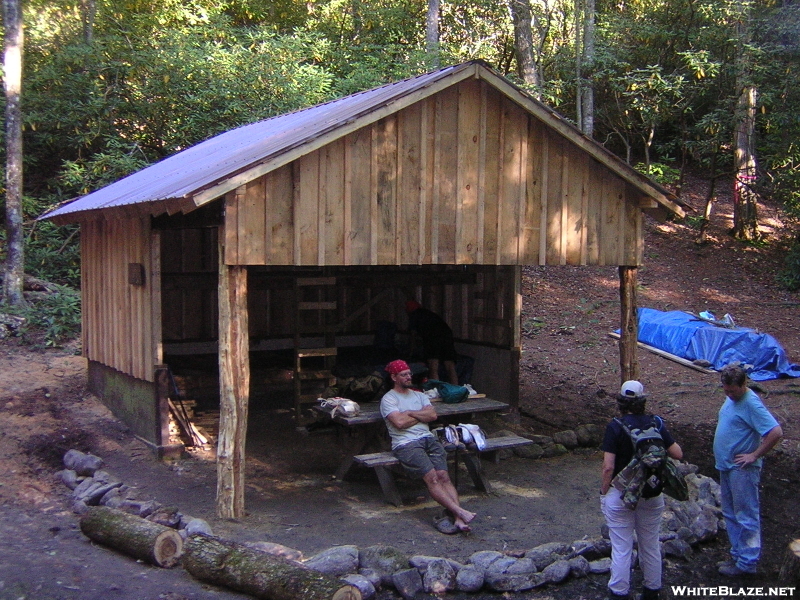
(412, 400)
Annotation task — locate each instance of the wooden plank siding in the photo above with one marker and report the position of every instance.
(120, 319)
(463, 177)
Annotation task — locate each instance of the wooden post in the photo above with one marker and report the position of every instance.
(234, 386)
(629, 324)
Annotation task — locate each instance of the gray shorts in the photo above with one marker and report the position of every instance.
(420, 457)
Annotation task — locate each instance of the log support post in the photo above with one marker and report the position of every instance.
(234, 383)
(629, 324)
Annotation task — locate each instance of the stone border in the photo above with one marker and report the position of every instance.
(684, 525)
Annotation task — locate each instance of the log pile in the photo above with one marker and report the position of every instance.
(229, 564)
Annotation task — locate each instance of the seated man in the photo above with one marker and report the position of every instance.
(407, 413)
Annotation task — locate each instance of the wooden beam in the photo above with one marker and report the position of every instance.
(234, 383)
(629, 324)
(668, 356)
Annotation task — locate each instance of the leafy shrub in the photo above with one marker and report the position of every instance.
(789, 276)
(54, 318)
(659, 172)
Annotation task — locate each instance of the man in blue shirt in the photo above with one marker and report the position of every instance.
(746, 431)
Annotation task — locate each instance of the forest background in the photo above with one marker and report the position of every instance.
(108, 86)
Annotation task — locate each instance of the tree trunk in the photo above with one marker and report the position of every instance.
(587, 64)
(234, 377)
(132, 535)
(745, 215)
(522, 18)
(88, 13)
(259, 574)
(432, 34)
(745, 218)
(629, 325)
(12, 65)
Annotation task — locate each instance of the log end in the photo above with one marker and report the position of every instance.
(347, 592)
(168, 549)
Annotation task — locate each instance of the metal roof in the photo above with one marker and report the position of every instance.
(200, 173)
(202, 165)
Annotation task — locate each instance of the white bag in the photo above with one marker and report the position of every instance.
(344, 406)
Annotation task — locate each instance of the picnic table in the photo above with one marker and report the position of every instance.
(367, 430)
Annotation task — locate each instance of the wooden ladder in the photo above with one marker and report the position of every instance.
(323, 289)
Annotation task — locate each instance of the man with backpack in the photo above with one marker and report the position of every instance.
(746, 431)
(638, 445)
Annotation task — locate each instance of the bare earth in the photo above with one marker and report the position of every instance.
(569, 374)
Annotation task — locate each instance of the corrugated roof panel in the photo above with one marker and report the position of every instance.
(228, 153)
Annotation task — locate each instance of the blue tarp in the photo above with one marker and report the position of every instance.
(689, 337)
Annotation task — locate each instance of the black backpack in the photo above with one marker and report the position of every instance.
(649, 449)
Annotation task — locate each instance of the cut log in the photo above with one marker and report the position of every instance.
(790, 569)
(235, 566)
(133, 535)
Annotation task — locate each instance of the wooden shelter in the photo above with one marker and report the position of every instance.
(307, 229)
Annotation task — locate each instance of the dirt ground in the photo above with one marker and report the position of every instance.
(569, 374)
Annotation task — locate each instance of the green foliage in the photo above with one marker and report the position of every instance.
(789, 277)
(663, 174)
(52, 253)
(695, 221)
(53, 318)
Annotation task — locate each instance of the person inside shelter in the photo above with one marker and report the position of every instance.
(407, 413)
(437, 340)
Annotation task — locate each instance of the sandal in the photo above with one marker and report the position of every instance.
(445, 525)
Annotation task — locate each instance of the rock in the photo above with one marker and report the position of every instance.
(69, 478)
(483, 558)
(568, 439)
(703, 489)
(372, 575)
(408, 582)
(168, 516)
(554, 450)
(705, 525)
(82, 464)
(592, 548)
(542, 440)
(194, 526)
(386, 560)
(421, 562)
(676, 547)
(533, 451)
(589, 435)
(546, 554)
(557, 572)
(83, 487)
(96, 493)
(114, 496)
(336, 561)
(686, 534)
(469, 579)
(509, 574)
(148, 507)
(363, 584)
(578, 566)
(602, 565)
(439, 577)
(79, 507)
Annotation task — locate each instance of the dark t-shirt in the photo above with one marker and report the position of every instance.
(428, 324)
(617, 442)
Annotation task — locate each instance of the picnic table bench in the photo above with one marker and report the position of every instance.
(382, 462)
(367, 427)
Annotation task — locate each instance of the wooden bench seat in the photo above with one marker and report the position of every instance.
(383, 461)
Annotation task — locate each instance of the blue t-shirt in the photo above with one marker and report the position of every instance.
(740, 427)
